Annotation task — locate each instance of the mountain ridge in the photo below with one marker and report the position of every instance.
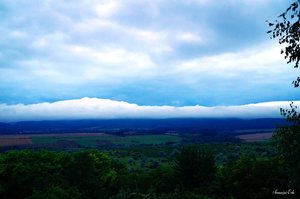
(155, 125)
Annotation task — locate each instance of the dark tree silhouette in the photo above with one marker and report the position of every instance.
(287, 29)
(287, 138)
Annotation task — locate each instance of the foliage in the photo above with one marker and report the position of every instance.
(194, 166)
(287, 29)
(251, 178)
(192, 173)
(92, 172)
(164, 180)
(34, 174)
(26, 170)
(287, 139)
(184, 195)
(291, 115)
(56, 193)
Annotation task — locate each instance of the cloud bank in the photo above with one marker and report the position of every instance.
(94, 108)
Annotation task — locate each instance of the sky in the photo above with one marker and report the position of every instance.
(149, 53)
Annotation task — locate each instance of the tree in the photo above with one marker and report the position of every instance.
(251, 177)
(56, 193)
(287, 138)
(23, 171)
(287, 29)
(194, 166)
(47, 174)
(92, 172)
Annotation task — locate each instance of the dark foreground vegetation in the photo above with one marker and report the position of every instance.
(244, 170)
(193, 173)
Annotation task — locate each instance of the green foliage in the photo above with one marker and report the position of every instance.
(164, 180)
(287, 139)
(34, 174)
(93, 174)
(249, 178)
(25, 170)
(126, 194)
(151, 195)
(56, 193)
(183, 195)
(194, 166)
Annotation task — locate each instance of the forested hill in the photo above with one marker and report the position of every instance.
(182, 125)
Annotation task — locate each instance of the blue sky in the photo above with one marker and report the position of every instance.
(144, 52)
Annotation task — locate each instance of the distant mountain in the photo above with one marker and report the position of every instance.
(5, 127)
(181, 125)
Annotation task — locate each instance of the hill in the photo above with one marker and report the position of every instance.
(140, 125)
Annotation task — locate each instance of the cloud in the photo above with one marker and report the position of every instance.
(258, 64)
(107, 9)
(233, 2)
(112, 56)
(94, 108)
(188, 37)
(148, 52)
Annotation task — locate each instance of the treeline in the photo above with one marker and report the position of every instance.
(92, 174)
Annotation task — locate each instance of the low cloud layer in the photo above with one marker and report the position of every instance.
(94, 108)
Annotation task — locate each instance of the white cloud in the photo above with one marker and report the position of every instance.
(45, 41)
(245, 2)
(248, 2)
(92, 25)
(108, 8)
(201, 2)
(112, 56)
(188, 37)
(259, 64)
(144, 39)
(104, 66)
(94, 108)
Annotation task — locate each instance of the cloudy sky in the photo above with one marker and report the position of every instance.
(144, 52)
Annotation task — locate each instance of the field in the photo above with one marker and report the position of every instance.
(255, 137)
(6, 140)
(90, 140)
(107, 140)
